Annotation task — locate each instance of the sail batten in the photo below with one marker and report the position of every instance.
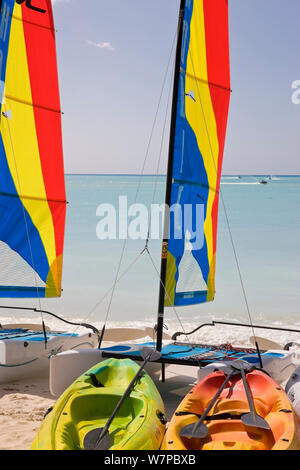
(195, 183)
(202, 80)
(29, 103)
(199, 137)
(32, 186)
(34, 198)
(38, 25)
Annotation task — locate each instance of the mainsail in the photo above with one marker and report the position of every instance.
(198, 127)
(32, 187)
(197, 152)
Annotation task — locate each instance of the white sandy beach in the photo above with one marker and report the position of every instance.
(22, 407)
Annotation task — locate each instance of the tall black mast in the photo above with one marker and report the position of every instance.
(163, 270)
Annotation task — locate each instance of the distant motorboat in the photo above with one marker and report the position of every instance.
(263, 182)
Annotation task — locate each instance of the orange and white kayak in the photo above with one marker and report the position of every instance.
(225, 427)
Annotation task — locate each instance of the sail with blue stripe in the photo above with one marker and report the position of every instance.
(199, 137)
(32, 186)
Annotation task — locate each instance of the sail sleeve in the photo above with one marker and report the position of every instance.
(201, 120)
(32, 186)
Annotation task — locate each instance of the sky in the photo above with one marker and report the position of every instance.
(112, 58)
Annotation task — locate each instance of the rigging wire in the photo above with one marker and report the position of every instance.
(225, 212)
(137, 193)
(166, 293)
(119, 276)
(5, 114)
(128, 268)
(154, 197)
(146, 248)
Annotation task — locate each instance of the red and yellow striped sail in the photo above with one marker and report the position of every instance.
(32, 187)
(201, 120)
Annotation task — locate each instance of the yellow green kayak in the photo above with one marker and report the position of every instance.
(86, 406)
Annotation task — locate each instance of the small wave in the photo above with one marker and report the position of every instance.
(237, 335)
(242, 183)
(231, 177)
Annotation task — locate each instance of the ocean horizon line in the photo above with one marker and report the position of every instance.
(164, 174)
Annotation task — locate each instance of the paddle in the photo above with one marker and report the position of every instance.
(199, 429)
(251, 419)
(99, 439)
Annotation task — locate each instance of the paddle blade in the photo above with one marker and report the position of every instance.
(240, 364)
(150, 354)
(194, 431)
(255, 421)
(91, 439)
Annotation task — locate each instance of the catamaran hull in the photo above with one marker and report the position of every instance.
(292, 389)
(67, 366)
(24, 354)
(278, 364)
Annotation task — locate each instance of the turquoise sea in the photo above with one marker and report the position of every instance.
(265, 224)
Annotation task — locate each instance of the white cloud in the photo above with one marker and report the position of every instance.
(101, 45)
(54, 2)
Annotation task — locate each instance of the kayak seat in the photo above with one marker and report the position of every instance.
(95, 380)
(263, 396)
(240, 406)
(91, 410)
(233, 435)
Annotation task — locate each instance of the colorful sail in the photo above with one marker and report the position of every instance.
(32, 187)
(201, 120)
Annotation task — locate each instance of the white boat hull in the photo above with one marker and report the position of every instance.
(25, 356)
(278, 364)
(292, 389)
(67, 366)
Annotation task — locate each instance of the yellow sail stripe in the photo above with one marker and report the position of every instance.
(201, 117)
(20, 139)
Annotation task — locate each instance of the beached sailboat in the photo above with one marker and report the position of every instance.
(201, 96)
(32, 187)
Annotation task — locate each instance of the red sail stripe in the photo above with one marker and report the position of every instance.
(42, 65)
(218, 70)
